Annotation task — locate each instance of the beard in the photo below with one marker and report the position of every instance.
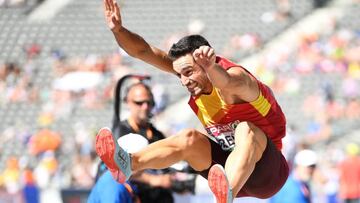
(196, 91)
(144, 117)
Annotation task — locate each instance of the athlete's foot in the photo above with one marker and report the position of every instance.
(115, 158)
(219, 184)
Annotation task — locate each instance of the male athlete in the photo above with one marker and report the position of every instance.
(240, 155)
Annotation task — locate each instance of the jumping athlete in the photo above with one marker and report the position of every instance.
(240, 154)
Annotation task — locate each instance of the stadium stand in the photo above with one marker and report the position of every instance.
(37, 52)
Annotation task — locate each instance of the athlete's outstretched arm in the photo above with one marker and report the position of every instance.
(131, 42)
(234, 81)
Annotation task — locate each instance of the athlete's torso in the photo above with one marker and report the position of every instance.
(220, 119)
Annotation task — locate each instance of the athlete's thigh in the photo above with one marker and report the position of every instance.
(249, 136)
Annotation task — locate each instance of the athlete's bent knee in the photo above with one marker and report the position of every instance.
(189, 138)
(196, 149)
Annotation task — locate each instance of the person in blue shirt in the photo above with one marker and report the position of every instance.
(31, 193)
(106, 187)
(296, 188)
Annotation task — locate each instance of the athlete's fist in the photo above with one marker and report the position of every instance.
(205, 57)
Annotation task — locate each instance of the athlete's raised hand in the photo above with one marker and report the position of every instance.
(112, 15)
(205, 57)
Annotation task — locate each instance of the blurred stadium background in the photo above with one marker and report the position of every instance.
(59, 64)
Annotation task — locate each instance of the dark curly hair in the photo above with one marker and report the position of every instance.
(187, 45)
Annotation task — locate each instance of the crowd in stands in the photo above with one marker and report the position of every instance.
(88, 83)
(317, 54)
(332, 53)
(15, 83)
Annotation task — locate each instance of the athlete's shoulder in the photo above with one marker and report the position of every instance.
(224, 63)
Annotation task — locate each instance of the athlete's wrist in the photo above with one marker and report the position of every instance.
(211, 68)
(117, 30)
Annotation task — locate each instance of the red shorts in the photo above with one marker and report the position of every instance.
(269, 175)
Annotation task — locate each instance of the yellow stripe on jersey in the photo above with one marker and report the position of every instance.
(262, 105)
(209, 106)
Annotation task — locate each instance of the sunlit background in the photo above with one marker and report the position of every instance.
(59, 64)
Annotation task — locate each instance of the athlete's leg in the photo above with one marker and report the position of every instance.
(189, 145)
(250, 143)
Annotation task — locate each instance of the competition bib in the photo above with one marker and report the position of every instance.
(224, 134)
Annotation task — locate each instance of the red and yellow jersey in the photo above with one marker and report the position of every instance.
(220, 119)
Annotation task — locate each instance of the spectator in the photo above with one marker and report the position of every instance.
(349, 170)
(32, 50)
(11, 175)
(296, 188)
(107, 189)
(30, 190)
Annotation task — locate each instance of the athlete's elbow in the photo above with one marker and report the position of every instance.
(134, 53)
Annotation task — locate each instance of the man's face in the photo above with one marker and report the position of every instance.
(140, 103)
(192, 76)
(306, 172)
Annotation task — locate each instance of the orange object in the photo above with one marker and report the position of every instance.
(44, 140)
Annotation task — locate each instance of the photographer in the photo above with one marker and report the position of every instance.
(145, 186)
